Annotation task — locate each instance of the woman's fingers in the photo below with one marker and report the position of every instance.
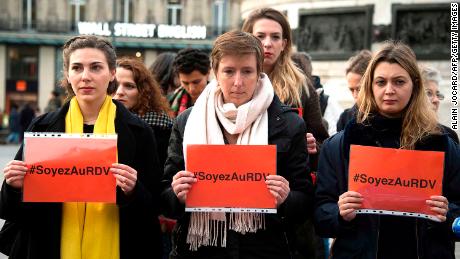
(311, 144)
(439, 205)
(181, 184)
(279, 187)
(14, 173)
(348, 203)
(348, 214)
(126, 177)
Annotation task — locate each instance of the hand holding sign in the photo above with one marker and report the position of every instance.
(348, 203)
(440, 206)
(126, 177)
(279, 187)
(311, 144)
(14, 173)
(181, 184)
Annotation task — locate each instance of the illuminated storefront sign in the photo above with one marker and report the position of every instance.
(138, 30)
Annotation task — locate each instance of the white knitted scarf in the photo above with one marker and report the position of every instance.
(250, 121)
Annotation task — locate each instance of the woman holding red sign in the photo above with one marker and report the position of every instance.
(240, 108)
(127, 229)
(393, 112)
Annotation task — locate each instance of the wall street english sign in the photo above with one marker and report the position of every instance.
(139, 30)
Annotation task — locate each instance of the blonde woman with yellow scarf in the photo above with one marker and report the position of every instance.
(79, 230)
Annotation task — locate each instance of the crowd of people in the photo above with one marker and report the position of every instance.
(251, 90)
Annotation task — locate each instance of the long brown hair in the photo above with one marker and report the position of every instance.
(419, 120)
(150, 97)
(288, 81)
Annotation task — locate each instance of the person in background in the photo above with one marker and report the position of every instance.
(329, 107)
(138, 91)
(192, 67)
(272, 28)
(126, 229)
(239, 107)
(26, 115)
(290, 83)
(54, 102)
(307, 243)
(162, 70)
(13, 125)
(302, 61)
(355, 70)
(431, 79)
(392, 113)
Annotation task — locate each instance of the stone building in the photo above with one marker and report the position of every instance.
(33, 31)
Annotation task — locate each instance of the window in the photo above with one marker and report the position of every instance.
(22, 62)
(29, 14)
(127, 11)
(77, 12)
(174, 12)
(220, 19)
(58, 73)
(22, 71)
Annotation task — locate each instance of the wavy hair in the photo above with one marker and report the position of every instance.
(150, 97)
(287, 79)
(419, 120)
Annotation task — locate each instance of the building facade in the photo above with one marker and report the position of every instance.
(33, 31)
(333, 30)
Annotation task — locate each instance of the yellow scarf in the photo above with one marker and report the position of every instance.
(90, 230)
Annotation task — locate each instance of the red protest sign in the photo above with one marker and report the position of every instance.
(69, 168)
(395, 181)
(231, 177)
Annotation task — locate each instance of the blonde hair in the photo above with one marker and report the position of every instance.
(419, 120)
(287, 79)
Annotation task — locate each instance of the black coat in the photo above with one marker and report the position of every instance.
(359, 238)
(286, 130)
(37, 226)
(346, 116)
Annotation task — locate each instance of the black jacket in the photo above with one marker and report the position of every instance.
(449, 132)
(359, 238)
(37, 226)
(287, 131)
(346, 116)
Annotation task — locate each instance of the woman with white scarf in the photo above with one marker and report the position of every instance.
(239, 107)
